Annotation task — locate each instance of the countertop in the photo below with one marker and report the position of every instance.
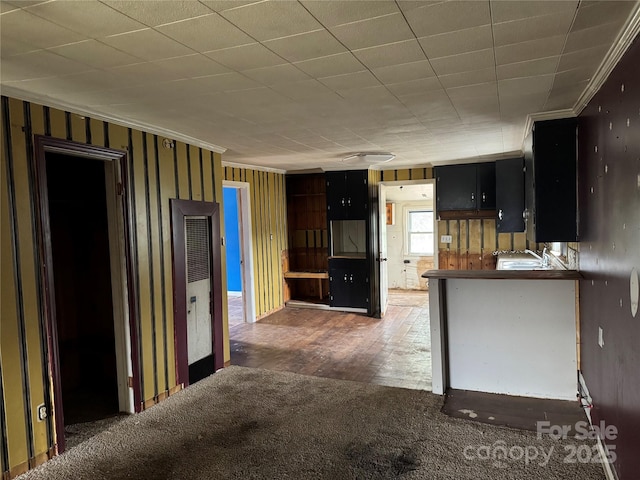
(505, 274)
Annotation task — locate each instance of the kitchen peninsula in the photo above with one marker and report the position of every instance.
(504, 331)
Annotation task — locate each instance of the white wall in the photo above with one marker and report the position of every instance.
(405, 275)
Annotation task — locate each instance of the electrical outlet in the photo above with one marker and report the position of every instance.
(600, 337)
(445, 239)
(42, 412)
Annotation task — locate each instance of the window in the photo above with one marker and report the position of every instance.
(420, 232)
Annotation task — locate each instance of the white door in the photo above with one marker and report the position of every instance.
(199, 321)
(384, 279)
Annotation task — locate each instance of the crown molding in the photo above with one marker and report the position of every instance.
(72, 108)
(552, 115)
(253, 167)
(619, 47)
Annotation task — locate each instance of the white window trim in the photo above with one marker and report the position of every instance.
(407, 233)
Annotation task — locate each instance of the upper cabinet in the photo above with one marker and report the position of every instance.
(466, 187)
(510, 195)
(551, 182)
(347, 195)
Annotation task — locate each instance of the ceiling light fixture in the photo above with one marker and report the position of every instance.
(370, 157)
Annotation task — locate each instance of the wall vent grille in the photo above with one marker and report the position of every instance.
(198, 248)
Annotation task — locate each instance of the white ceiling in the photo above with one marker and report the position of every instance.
(302, 84)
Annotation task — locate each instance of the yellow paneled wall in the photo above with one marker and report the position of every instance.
(155, 174)
(269, 233)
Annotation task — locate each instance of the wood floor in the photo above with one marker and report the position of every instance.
(393, 351)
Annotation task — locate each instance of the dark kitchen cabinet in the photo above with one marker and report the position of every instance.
(347, 194)
(349, 282)
(551, 182)
(466, 187)
(510, 195)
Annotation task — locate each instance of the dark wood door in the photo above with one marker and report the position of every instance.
(510, 195)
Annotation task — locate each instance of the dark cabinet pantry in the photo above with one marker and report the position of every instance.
(347, 194)
(466, 187)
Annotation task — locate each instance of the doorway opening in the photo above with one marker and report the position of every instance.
(239, 250)
(86, 272)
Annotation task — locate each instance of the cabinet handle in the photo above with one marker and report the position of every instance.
(345, 278)
(342, 201)
(349, 201)
(473, 197)
(484, 197)
(351, 278)
(500, 214)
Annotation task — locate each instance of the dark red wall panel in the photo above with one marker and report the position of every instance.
(609, 204)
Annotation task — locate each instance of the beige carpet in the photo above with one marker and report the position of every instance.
(256, 424)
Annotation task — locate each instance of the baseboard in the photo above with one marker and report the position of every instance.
(34, 462)
(161, 396)
(609, 471)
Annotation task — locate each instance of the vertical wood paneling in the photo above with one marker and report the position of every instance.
(167, 190)
(78, 128)
(194, 173)
(207, 175)
(144, 297)
(97, 132)
(182, 171)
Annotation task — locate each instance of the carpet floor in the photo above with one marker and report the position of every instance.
(257, 424)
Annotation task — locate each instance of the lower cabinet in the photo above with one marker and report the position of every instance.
(349, 282)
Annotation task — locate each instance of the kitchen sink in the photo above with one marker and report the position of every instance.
(521, 261)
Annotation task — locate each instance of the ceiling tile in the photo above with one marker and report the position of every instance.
(7, 7)
(10, 46)
(415, 87)
(468, 78)
(269, 20)
(592, 14)
(540, 66)
(95, 53)
(143, 73)
(276, 74)
(528, 29)
(226, 82)
(189, 66)
(303, 90)
(39, 64)
(521, 104)
(509, 10)
(457, 42)
(245, 57)
(158, 12)
(331, 65)
(350, 80)
(197, 33)
(222, 5)
(147, 44)
(520, 52)
(565, 97)
(525, 86)
(377, 31)
(332, 13)
(569, 78)
(592, 37)
(93, 19)
(473, 91)
(444, 17)
(581, 58)
(465, 62)
(306, 46)
(20, 25)
(390, 54)
(405, 72)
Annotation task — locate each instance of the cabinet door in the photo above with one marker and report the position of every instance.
(357, 194)
(510, 195)
(486, 186)
(349, 283)
(336, 198)
(456, 187)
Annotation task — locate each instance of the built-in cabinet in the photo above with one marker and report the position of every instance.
(467, 187)
(551, 182)
(510, 195)
(349, 282)
(347, 194)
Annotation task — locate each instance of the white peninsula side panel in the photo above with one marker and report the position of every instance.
(512, 337)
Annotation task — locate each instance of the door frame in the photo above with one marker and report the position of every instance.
(126, 343)
(246, 248)
(179, 210)
(382, 207)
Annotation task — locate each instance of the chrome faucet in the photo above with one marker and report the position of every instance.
(545, 259)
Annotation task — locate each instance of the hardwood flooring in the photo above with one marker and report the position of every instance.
(393, 351)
